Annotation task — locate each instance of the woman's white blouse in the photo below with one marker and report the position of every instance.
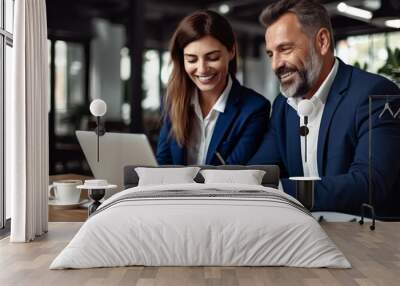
(203, 128)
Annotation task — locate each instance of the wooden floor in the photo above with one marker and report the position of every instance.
(374, 255)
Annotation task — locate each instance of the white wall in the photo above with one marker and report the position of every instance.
(105, 66)
(260, 77)
(106, 59)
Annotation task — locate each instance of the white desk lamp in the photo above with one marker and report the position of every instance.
(98, 108)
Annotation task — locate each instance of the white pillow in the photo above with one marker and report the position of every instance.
(164, 176)
(248, 177)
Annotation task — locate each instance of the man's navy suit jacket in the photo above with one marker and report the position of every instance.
(343, 149)
(238, 132)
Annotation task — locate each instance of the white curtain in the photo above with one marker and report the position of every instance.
(27, 123)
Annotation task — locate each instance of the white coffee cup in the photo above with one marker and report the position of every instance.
(65, 191)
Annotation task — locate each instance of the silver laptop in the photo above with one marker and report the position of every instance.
(117, 150)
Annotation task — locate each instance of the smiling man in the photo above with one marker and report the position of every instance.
(299, 42)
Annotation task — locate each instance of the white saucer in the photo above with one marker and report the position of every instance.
(88, 187)
(63, 205)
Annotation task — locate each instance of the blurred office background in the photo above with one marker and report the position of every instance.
(117, 50)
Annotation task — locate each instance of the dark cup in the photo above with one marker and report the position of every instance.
(305, 190)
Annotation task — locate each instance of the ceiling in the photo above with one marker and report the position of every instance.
(72, 19)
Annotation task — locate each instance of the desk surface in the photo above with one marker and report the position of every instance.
(81, 214)
(68, 215)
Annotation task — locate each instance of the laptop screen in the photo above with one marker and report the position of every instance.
(116, 150)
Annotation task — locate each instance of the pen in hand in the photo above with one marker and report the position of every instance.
(220, 158)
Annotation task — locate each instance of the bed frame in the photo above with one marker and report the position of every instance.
(270, 179)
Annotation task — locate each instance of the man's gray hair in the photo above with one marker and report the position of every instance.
(311, 15)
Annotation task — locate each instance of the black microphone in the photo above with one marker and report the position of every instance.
(98, 108)
(305, 109)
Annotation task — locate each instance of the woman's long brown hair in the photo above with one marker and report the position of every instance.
(180, 86)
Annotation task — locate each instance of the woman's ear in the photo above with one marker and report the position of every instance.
(323, 41)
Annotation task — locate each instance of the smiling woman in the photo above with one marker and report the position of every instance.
(206, 63)
(209, 118)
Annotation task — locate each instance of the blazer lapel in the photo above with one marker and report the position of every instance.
(335, 96)
(293, 145)
(224, 120)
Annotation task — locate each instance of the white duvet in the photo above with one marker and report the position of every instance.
(185, 231)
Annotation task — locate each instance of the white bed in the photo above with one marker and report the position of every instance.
(249, 226)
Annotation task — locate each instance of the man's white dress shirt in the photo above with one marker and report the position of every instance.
(310, 168)
(203, 128)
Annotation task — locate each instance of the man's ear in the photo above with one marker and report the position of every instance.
(323, 41)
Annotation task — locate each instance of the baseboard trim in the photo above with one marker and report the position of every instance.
(5, 231)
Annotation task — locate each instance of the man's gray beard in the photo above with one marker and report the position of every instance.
(305, 79)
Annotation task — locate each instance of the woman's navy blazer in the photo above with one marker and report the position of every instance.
(237, 135)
